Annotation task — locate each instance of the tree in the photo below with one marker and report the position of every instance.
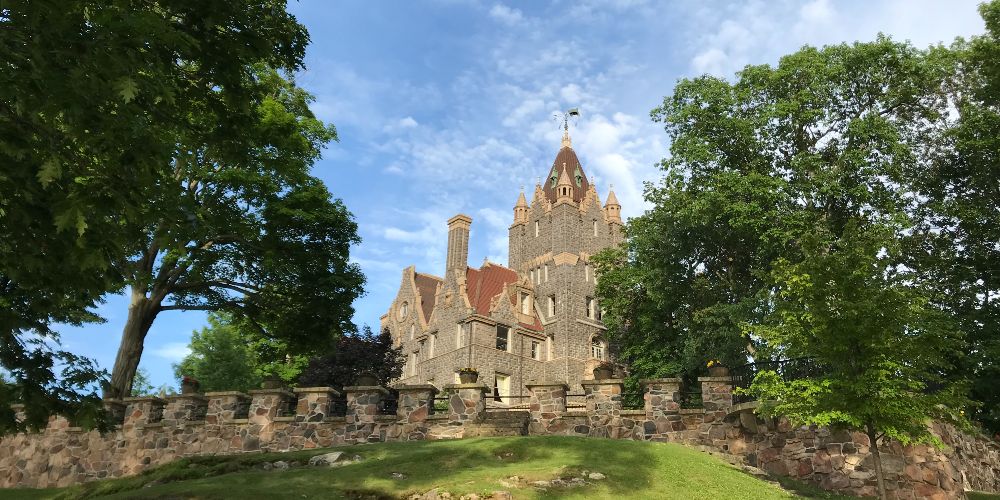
(93, 101)
(259, 239)
(353, 355)
(880, 348)
(956, 240)
(779, 230)
(141, 386)
(223, 357)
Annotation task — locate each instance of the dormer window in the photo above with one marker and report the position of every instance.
(525, 303)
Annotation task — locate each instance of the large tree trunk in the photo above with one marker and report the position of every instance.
(879, 477)
(141, 313)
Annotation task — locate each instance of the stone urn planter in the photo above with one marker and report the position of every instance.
(468, 376)
(604, 371)
(272, 382)
(367, 379)
(189, 385)
(717, 369)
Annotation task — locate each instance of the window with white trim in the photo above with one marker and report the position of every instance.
(552, 305)
(430, 347)
(546, 272)
(536, 229)
(595, 227)
(525, 303)
(591, 306)
(536, 350)
(597, 348)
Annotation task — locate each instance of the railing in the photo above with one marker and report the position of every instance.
(338, 407)
(690, 399)
(787, 369)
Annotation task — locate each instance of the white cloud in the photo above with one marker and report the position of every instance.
(172, 351)
(506, 14)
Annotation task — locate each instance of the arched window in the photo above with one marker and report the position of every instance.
(597, 348)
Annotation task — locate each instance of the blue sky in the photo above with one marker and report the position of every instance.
(445, 107)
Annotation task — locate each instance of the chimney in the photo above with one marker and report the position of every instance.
(458, 243)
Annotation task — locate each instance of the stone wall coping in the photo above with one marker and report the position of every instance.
(467, 386)
(690, 411)
(529, 385)
(310, 390)
(227, 393)
(144, 399)
(606, 381)
(276, 392)
(672, 380)
(198, 396)
(715, 379)
(367, 388)
(285, 418)
(750, 405)
(416, 387)
(632, 412)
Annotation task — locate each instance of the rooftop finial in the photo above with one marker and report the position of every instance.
(575, 112)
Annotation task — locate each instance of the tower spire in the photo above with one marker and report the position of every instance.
(566, 142)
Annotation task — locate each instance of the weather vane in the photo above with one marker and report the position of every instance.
(574, 112)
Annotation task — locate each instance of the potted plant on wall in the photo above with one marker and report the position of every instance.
(367, 379)
(189, 385)
(717, 369)
(468, 375)
(604, 371)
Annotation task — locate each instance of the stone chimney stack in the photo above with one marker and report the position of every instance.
(458, 243)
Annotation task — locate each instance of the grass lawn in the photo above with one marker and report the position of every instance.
(634, 470)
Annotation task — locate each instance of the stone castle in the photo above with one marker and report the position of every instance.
(536, 318)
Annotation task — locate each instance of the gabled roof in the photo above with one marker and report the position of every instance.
(574, 169)
(485, 283)
(427, 290)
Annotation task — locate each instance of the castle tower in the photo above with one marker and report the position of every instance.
(612, 208)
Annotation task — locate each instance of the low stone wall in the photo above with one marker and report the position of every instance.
(154, 431)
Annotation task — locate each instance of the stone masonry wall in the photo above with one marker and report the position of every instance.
(154, 431)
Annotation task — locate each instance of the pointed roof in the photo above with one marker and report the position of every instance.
(427, 290)
(612, 199)
(521, 202)
(485, 283)
(566, 160)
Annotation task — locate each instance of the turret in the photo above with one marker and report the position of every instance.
(612, 208)
(521, 209)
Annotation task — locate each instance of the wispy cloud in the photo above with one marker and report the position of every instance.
(171, 351)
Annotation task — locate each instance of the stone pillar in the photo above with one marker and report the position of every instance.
(663, 404)
(467, 402)
(716, 393)
(19, 413)
(181, 408)
(143, 410)
(266, 403)
(546, 406)
(226, 406)
(115, 409)
(603, 397)
(416, 402)
(362, 407)
(662, 397)
(604, 405)
(314, 403)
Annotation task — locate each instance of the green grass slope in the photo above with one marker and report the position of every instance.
(633, 470)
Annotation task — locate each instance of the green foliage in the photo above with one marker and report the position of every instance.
(141, 385)
(784, 228)
(229, 355)
(354, 355)
(956, 240)
(95, 98)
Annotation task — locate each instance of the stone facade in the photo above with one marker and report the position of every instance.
(535, 319)
(155, 431)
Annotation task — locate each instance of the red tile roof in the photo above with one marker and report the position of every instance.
(426, 289)
(485, 283)
(568, 156)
